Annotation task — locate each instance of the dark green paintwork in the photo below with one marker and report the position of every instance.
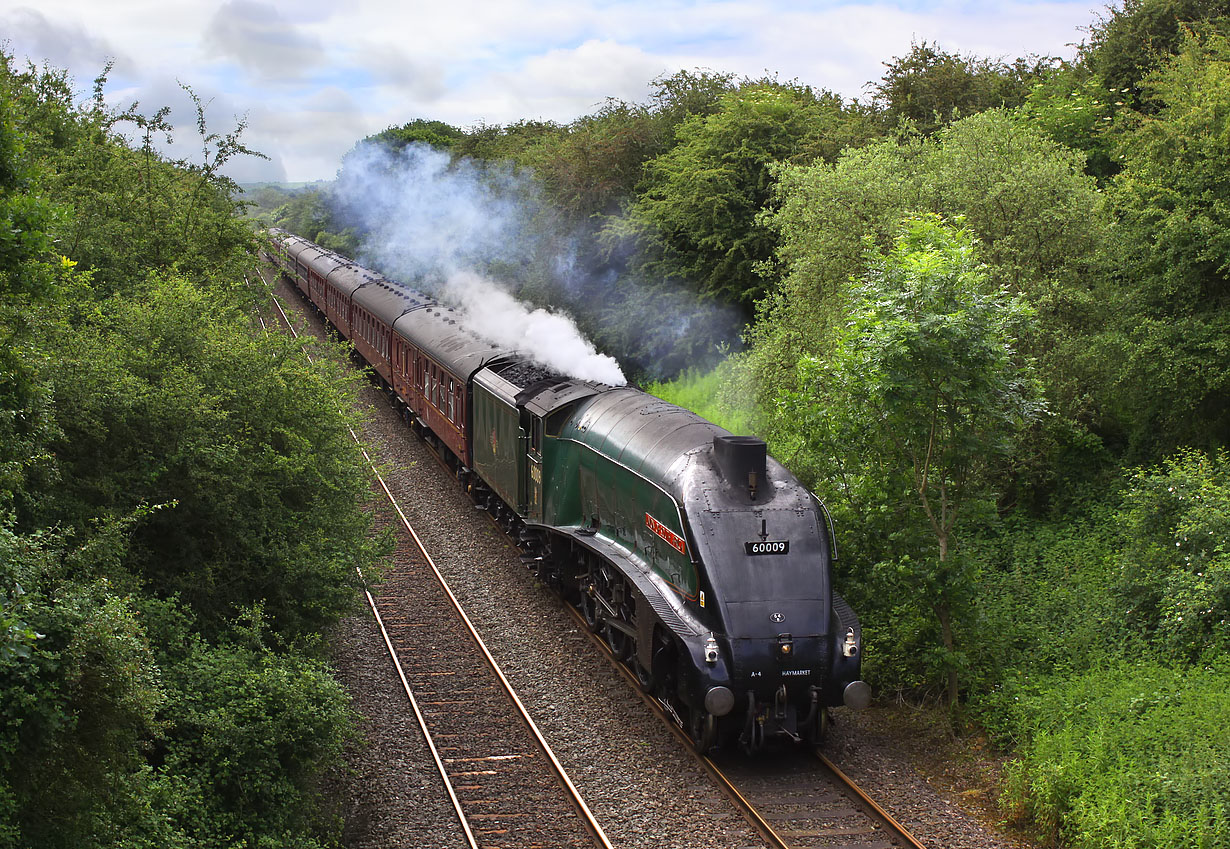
(498, 447)
(624, 485)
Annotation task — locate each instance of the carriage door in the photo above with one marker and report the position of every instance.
(533, 472)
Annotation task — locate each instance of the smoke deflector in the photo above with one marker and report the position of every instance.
(741, 460)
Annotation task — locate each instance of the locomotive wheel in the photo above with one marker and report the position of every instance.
(621, 644)
(643, 676)
(617, 641)
(589, 609)
(703, 728)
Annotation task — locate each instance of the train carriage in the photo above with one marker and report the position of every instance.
(297, 253)
(375, 305)
(442, 358)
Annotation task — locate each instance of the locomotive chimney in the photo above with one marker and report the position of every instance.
(741, 460)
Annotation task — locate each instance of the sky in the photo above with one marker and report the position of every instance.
(311, 78)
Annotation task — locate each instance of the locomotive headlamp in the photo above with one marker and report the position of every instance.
(711, 650)
(785, 645)
(850, 647)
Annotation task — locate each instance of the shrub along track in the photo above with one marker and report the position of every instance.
(644, 787)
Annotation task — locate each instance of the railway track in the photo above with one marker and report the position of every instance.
(793, 796)
(502, 779)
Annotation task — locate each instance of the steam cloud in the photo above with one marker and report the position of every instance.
(439, 227)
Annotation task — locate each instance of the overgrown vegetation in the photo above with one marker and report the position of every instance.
(179, 501)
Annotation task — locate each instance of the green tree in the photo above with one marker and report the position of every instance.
(1136, 39)
(1172, 308)
(930, 88)
(919, 399)
(435, 133)
(1042, 228)
(1072, 106)
(592, 168)
(696, 213)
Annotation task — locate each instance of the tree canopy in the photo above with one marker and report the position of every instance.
(180, 503)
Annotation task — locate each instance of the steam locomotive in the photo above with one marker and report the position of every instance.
(703, 564)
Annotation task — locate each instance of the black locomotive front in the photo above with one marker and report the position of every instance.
(791, 645)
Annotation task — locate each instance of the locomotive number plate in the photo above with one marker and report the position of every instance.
(767, 547)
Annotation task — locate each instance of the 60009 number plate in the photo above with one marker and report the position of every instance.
(767, 547)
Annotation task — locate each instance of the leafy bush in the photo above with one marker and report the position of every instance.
(234, 439)
(79, 699)
(1125, 756)
(251, 735)
(1044, 608)
(1174, 571)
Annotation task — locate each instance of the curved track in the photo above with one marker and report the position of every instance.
(503, 780)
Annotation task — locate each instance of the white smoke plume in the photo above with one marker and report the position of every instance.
(495, 314)
(437, 226)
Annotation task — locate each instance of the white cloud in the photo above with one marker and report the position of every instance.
(257, 37)
(314, 77)
(61, 44)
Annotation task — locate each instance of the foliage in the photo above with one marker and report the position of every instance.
(177, 405)
(1044, 608)
(929, 88)
(435, 133)
(132, 208)
(1072, 106)
(696, 215)
(1041, 227)
(1174, 570)
(249, 730)
(592, 167)
(1136, 38)
(1173, 308)
(26, 277)
(164, 469)
(1123, 756)
(25, 216)
(706, 395)
(917, 401)
(80, 696)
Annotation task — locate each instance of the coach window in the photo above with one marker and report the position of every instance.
(452, 402)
